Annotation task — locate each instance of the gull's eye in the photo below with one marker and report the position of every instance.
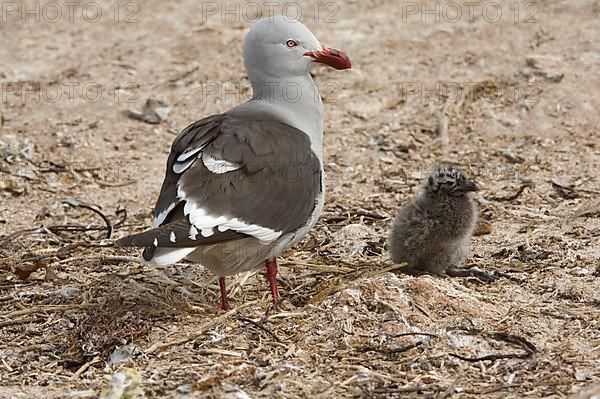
(291, 43)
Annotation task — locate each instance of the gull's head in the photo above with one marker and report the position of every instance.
(280, 47)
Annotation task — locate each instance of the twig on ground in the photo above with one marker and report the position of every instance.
(492, 390)
(320, 268)
(119, 184)
(369, 214)
(93, 208)
(215, 351)
(413, 333)
(564, 191)
(396, 389)
(339, 286)
(183, 75)
(516, 195)
(107, 259)
(330, 217)
(7, 323)
(73, 227)
(403, 348)
(198, 332)
(24, 232)
(528, 347)
(262, 327)
(123, 213)
(44, 309)
(83, 368)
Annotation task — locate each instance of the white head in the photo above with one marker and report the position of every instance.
(280, 47)
(279, 53)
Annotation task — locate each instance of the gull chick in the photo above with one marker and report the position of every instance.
(432, 234)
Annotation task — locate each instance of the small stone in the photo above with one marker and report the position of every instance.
(580, 375)
(69, 291)
(351, 239)
(546, 66)
(121, 355)
(153, 112)
(579, 271)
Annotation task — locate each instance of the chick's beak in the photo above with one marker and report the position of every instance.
(469, 186)
(329, 56)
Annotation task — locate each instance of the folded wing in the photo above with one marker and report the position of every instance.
(230, 178)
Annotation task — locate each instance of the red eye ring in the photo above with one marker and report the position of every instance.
(291, 43)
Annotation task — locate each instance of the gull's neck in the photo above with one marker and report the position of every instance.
(294, 101)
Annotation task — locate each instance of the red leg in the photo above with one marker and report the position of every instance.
(224, 299)
(271, 265)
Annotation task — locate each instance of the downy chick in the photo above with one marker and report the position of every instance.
(432, 234)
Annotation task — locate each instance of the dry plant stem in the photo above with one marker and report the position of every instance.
(515, 195)
(94, 209)
(409, 389)
(262, 327)
(403, 348)
(528, 348)
(336, 286)
(160, 346)
(412, 334)
(7, 323)
(122, 184)
(44, 309)
(86, 366)
(123, 213)
(209, 351)
(50, 229)
(443, 390)
(19, 233)
(182, 76)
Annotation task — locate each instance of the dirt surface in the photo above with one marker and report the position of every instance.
(513, 102)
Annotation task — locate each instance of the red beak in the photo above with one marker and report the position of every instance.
(329, 56)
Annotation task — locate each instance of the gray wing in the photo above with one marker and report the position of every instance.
(229, 178)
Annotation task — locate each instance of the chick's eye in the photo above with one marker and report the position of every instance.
(291, 43)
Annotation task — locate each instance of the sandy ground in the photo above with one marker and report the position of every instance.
(517, 97)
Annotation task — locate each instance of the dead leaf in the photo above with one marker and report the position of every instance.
(483, 228)
(24, 271)
(51, 275)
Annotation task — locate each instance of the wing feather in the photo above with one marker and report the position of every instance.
(268, 187)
